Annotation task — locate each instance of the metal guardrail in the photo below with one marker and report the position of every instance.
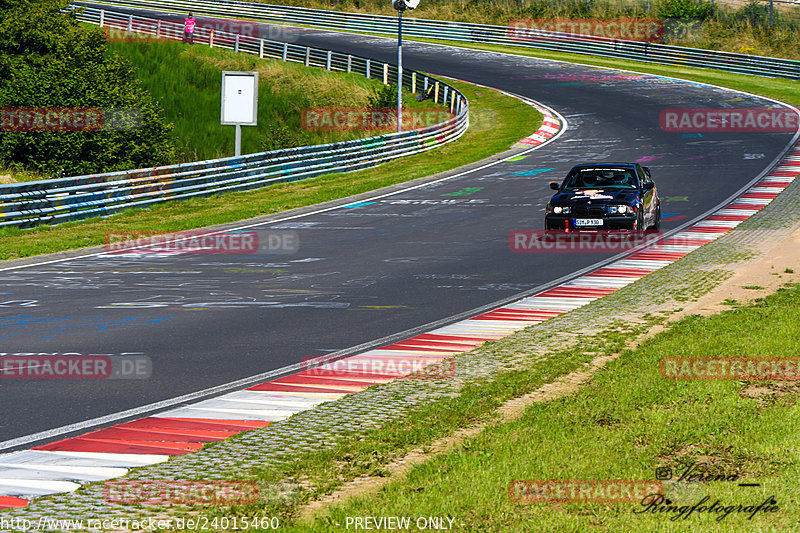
(75, 198)
(480, 33)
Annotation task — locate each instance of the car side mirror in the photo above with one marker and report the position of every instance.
(555, 185)
(649, 185)
(647, 171)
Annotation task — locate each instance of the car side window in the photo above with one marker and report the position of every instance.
(643, 177)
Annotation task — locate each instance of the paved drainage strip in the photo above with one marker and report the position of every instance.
(63, 466)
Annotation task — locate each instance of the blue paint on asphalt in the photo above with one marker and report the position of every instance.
(533, 172)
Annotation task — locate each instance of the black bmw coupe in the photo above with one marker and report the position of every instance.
(605, 196)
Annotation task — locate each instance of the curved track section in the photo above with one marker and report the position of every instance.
(367, 270)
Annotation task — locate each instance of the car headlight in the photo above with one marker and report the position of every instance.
(558, 210)
(620, 209)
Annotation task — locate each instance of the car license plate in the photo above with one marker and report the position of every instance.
(588, 221)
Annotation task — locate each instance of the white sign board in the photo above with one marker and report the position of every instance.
(402, 5)
(239, 98)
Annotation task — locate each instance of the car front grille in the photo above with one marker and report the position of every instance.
(588, 211)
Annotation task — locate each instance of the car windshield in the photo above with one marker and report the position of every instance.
(605, 177)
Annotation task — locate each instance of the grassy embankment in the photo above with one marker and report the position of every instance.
(186, 81)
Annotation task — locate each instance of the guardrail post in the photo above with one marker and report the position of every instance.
(349, 63)
(236, 44)
(328, 61)
(261, 48)
(425, 88)
(386, 73)
(285, 51)
(130, 22)
(158, 29)
(770, 13)
(211, 39)
(368, 64)
(452, 101)
(444, 96)
(308, 55)
(436, 93)
(413, 82)
(102, 17)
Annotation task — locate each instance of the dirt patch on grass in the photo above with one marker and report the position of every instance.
(770, 392)
(508, 412)
(6, 178)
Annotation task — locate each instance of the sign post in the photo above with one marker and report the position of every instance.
(400, 6)
(239, 102)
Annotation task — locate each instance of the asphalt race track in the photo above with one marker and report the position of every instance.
(369, 270)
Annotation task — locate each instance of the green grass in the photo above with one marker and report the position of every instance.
(499, 122)
(186, 80)
(625, 424)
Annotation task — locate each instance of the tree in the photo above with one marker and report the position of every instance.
(49, 60)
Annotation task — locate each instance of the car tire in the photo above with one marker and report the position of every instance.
(639, 228)
(656, 225)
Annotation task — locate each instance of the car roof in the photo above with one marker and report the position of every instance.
(604, 165)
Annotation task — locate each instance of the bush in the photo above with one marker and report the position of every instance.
(685, 9)
(756, 13)
(277, 135)
(384, 97)
(48, 60)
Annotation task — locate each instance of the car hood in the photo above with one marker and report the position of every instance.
(596, 196)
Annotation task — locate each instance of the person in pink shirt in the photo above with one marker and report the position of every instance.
(188, 29)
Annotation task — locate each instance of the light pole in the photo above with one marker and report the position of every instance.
(400, 6)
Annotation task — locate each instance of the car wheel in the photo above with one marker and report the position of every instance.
(656, 225)
(639, 227)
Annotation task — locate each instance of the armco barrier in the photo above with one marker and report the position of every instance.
(480, 33)
(67, 199)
